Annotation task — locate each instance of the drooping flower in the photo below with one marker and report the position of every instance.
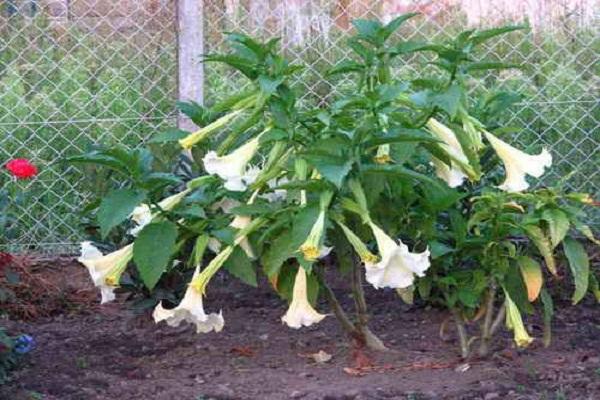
(241, 222)
(105, 270)
(359, 246)
(300, 312)
(514, 322)
(518, 164)
(191, 308)
(21, 168)
(277, 194)
(232, 168)
(142, 215)
(453, 175)
(383, 154)
(398, 266)
(311, 248)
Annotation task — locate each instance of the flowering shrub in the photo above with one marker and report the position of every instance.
(409, 181)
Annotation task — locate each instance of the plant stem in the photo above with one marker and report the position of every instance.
(335, 305)
(362, 317)
(463, 336)
(499, 319)
(486, 333)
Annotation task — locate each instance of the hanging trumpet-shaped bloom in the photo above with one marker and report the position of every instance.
(142, 215)
(311, 248)
(241, 222)
(518, 164)
(514, 322)
(232, 168)
(191, 308)
(105, 270)
(359, 246)
(398, 266)
(383, 154)
(301, 313)
(453, 175)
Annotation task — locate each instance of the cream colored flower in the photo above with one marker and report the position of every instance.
(232, 168)
(301, 313)
(142, 215)
(383, 154)
(398, 266)
(514, 322)
(105, 270)
(241, 222)
(191, 308)
(277, 194)
(311, 248)
(518, 164)
(453, 175)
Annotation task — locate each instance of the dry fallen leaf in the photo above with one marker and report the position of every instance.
(321, 357)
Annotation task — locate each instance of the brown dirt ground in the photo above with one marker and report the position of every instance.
(107, 352)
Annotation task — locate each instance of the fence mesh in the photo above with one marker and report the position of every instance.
(74, 73)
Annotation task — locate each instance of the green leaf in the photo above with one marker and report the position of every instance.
(152, 251)
(515, 286)
(399, 171)
(548, 314)
(199, 249)
(269, 85)
(368, 30)
(172, 135)
(402, 135)
(485, 66)
(286, 245)
(558, 225)
(240, 266)
(448, 100)
(482, 36)
(595, 286)
(439, 249)
(543, 244)
(580, 267)
(333, 168)
(116, 207)
(345, 66)
(396, 23)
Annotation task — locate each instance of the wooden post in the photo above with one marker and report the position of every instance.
(190, 40)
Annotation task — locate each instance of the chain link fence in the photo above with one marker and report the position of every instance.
(80, 72)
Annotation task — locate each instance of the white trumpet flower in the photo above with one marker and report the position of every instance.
(453, 175)
(105, 270)
(514, 322)
(311, 248)
(398, 266)
(232, 168)
(300, 313)
(518, 164)
(191, 308)
(241, 222)
(142, 215)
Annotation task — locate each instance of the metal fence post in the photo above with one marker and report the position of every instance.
(190, 46)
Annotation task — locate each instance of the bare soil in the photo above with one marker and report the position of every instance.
(107, 352)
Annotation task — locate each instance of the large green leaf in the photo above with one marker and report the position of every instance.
(580, 267)
(558, 225)
(544, 245)
(548, 314)
(116, 207)
(333, 168)
(286, 244)
(152, 251)
(240, 266)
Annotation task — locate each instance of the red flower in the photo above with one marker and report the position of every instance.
(21, 168)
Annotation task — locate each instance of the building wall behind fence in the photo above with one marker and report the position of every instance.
(81, 72)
